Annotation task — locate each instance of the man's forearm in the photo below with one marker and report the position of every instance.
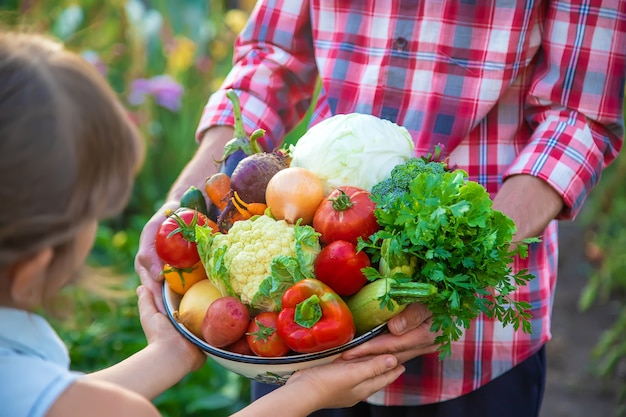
(530, 202)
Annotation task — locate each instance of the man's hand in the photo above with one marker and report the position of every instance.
(409, 336)
(530, 215)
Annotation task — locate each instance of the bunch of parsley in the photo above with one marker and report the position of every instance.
(433, 213)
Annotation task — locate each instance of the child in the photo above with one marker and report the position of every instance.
(68, 157)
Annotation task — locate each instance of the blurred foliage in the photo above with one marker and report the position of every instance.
(604, 218)
(164, 58)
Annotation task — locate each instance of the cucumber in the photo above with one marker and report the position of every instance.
(194, 199)
(379, 301)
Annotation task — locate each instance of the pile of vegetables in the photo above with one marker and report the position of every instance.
(308, 254)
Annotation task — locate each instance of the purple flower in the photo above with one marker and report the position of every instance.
(165, 90)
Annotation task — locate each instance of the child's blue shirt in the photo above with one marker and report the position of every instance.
(34, 364)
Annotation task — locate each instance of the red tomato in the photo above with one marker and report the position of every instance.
(263, 337)
(175, 241)
(346, 214)
(339, 265)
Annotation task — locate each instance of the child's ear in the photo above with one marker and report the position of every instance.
(29, 278)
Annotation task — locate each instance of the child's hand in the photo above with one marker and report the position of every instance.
(147, 263)
(344, 383)
(161, 333)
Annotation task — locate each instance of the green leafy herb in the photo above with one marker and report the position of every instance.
(462, 245)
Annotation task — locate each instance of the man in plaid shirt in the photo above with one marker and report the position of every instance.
(525, 96)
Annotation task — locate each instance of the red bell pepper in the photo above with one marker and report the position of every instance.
(314, 317)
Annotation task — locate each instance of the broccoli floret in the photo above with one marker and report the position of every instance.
(397, 184)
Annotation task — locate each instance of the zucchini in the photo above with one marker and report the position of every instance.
(380, 300)
(194, 199)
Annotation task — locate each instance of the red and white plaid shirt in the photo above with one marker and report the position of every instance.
(526, 87)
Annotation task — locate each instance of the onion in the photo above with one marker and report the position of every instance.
(294, 193)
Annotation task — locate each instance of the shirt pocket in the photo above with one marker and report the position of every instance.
(490, 39)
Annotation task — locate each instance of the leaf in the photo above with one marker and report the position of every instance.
(455, 302)
(459, 209)
(461, 281)
(284, 272)
(442, 253)
(468, 263)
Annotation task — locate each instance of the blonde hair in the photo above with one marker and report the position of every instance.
(68, 151)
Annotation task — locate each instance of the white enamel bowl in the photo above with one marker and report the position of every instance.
(268, 370)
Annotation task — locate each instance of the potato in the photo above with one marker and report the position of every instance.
(226, 321)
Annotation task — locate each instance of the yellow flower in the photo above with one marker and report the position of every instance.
(235, 19)
(180, 56)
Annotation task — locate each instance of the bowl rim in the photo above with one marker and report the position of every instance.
(260, 360)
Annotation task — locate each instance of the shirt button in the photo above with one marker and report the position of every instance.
(400, 43)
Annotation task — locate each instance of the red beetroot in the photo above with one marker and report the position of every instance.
(252, 174)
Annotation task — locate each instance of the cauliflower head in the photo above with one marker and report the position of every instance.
(258, 259)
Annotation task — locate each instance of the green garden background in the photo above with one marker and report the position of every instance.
(164, 58)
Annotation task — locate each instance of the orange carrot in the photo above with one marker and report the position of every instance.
(256, 208)
(217, 188)
(247, 210)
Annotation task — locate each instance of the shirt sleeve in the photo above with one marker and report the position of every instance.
(576, 99)
(274, 73)
(30, 385)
